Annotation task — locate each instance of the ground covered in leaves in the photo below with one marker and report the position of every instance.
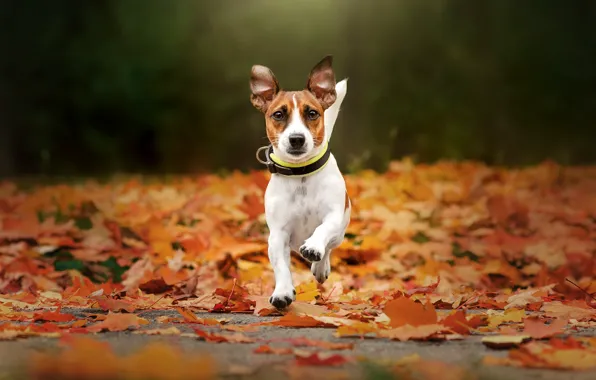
(441, 256)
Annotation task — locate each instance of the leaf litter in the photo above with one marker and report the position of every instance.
(433, 252)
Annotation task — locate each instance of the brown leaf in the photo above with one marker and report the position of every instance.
(53, 316)
(118, 322)
(504, 341)
(403, 311)
(538, 330)
(115, 305)
(220, 338)
(320, 359)
(265, 349)
(326, 345)
(293, 320)
(420, 332)
(167, 331)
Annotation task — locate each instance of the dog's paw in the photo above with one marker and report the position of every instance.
(321, 270)
(282, 299)
(312, 252)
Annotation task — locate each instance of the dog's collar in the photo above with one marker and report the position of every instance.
(278, 166)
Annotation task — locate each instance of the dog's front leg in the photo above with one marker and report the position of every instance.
(316, 246)
(279, 257)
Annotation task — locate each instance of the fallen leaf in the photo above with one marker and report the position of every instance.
(326, 345)
(307, 292)
(320, 359)
(265, 349)
(167, 331)
(53, 316)
(538, 330)
(419, 332)
(221, 338)
(118, 322)
(116, 305)
(504, 341)
(293, 320)
(403, 311)
(85, 358)
(510, 315)
(557, 309)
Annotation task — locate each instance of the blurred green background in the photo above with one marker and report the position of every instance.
(119, 86)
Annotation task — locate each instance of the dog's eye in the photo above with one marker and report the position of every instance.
(312, 115)
(278, 115)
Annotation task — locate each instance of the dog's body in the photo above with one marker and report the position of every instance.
(307, 214)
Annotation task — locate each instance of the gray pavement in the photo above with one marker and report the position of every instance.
(236, 360)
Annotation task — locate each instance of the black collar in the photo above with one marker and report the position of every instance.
(276, 166)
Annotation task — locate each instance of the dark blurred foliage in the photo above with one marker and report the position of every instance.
(105, 86)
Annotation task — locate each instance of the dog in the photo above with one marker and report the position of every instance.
(307, 207)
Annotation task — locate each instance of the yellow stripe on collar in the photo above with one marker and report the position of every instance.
(280, 162)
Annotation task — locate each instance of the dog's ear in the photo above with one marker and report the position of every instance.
(321, 82)
(264, 87)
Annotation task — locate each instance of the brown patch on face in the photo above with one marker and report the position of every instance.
(282, 105)
(279, 114)
(312, 114)
(347, 202)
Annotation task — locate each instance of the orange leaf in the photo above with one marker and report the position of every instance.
(538, 330)
(53, 316)
(305, 342)
(116, 305)
(188, 315)
(271, 350)
(320, 359)
(407, 332)
(293, 320)
(357, 329)
(457, 322)
(403, 311)
(118, 322)
(220, 338)
(86, 358)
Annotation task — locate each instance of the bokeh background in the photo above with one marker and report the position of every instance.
(91, 88)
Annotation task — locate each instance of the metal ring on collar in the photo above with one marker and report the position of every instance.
(259, 153)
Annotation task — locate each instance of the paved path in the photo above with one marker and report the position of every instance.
(236, 357)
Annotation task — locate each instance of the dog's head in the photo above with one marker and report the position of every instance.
(294, 119)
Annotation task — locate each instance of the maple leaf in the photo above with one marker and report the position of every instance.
(293, 320)
(320, 359)
(115, 305)
(118, 322)
(266, 349)
(220, 338)
(307, 292)
(510, 315)
(305, 342)
(457, 322)
(559, 310)
(404, 311)
(188, 315)
(167, 331)
(86, 358)
(418, 332)
(504, 341)
(357, 329)
(425, 289)
(53, 316)
(538, 330)
(544, 355)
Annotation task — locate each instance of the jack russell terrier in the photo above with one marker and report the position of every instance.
(306, 203)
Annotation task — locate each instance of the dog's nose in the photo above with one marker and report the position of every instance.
(297, 140)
